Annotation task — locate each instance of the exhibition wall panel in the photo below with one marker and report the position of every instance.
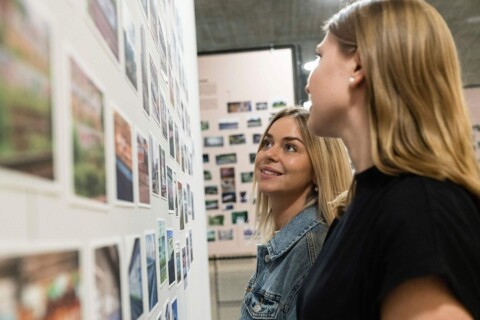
(239, 93)
(101, 179)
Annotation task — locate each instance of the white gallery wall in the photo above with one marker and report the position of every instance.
(101, 177)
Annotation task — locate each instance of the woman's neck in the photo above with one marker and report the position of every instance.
(285, 209)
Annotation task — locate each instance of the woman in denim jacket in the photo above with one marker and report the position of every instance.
(297, 176)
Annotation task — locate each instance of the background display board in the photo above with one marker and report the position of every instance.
(472, 96)
(239, 93)
(101, 178)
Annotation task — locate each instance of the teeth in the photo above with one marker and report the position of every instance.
(271, 173)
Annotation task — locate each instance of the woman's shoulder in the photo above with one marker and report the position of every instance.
(421, 190)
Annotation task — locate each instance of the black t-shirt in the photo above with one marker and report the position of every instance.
(396, 228)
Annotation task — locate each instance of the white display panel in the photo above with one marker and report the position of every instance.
(472, 96)
(239, 93)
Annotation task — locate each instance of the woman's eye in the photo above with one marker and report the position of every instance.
(266, 144)
(290, 148)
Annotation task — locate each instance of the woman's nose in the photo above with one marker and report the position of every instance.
(306, 89)
(272, 153)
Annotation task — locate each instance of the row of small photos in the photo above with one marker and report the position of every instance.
(217, 234)
(47, 282)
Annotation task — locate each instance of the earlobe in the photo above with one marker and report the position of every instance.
(358, 73)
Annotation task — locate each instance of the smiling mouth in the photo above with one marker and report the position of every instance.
(270, 173)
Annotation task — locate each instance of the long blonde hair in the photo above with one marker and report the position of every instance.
(419, 122)
(331, 167)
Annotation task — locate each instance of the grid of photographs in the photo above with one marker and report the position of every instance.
(231, 133)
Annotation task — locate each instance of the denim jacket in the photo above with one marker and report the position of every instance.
(282, 265)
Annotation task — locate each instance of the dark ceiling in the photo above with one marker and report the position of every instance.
(238, 24)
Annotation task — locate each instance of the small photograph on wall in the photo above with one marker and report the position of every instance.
(135, 283)
(25, 91)
(204, 125)
(279, 103)
(171, 138)
(153, 19)
(155, 183)
(211, 189)
(228, 124)
(243, 196)
(163, 50)
(256, 137)
(246, 177)
(206, 158)
(143, 169)
(163, 173)
(174, 309)
(213, 141)
(227, 180)
(163, 115)
(261, 105)
(183, 157)
(130, 40)
(154, 93)
(151, 263)
(171, 257)
(180, 205)
(89, 173)
(178, 265)
(252, 156)
(207, 175)
(171, 191)
(229, 197)
(187, 246)
(162, 250)
(228, 207)
(211, 204)
(235, 139)
(166, 311)
(184, 267)
(254, 121)
(225, 235)
(216, 220)
(211, 235)
(243, 106)
(123, 157)
(191, 244)
(226, 158)
(27, 281)
(106, 299)
(143, 65)
(185, 204)
(189, 197)
(239, 217)
(104, 16)
(177, 143)
(248, 233)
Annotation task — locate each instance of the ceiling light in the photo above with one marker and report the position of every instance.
(307, 104)
(474, 19)
(309, 66)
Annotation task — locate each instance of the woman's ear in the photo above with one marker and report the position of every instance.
(358, 74)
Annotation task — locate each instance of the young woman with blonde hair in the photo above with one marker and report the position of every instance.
(296, 177)
(388, 84)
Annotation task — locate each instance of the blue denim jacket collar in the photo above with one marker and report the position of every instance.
(292, 232)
